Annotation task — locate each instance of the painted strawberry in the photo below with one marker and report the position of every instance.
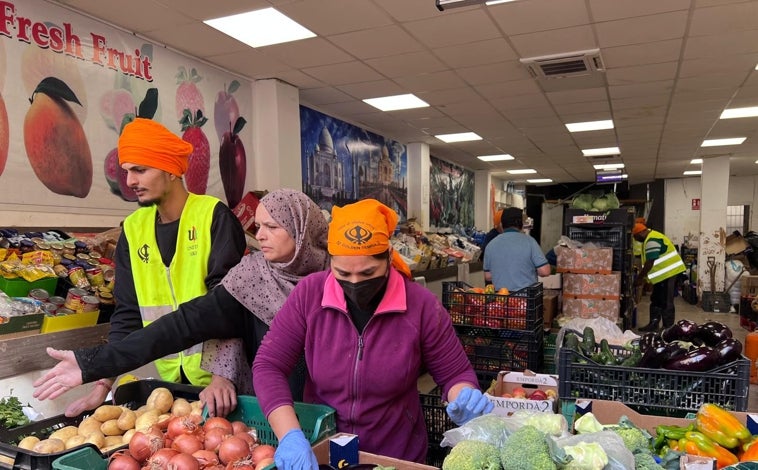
(232, 163)
(196, 176)
(187, 94)
(225, 109)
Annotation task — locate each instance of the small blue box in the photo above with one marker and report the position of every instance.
(343, 450)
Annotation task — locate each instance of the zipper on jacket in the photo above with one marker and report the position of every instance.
(360, 347)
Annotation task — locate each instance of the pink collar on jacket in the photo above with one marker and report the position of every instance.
(393, 301)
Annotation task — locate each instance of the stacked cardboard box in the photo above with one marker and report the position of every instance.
(590, 288)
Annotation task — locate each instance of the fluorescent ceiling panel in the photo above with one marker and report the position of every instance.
(735, 113)
(692, 172)
(497, 2)
(720, 142)
(525, 171)
(696, 161)
(396, 102)
(540, 180)
(599, 152)
(459, 137)
(495, 158)
(609, 166)
(589, 126)
(260, 28)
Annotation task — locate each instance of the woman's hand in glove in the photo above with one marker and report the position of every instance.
(469, 404)
(295, 453)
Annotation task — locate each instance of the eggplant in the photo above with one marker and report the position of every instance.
(713, 332)
(699, 359)
(729, 350)
(673, 350)
(650, 339)
(682, 330)
(651, 359)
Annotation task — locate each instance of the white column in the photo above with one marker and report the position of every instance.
(418, 183)
(482, 200)
(713, 203)
(276, 161)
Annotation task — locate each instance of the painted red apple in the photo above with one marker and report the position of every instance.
(232, 163)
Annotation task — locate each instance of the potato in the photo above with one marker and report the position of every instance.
(9, 461)
(128, 436)
(181, 407)
(146, 420)
(49, 446)
(197, 405)
(75, 441)
(138, 412)
(97, 438)
(105, 412)
(111, 441)
(127, 419)
(28, 442)
(110, 428)
(88, 426)
(160, 399)
(65, 433)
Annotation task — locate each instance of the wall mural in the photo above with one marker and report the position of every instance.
(68, 84)
(342, 163)
(451, 195)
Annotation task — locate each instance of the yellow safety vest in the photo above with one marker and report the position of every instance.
(668, 264)
(160, 290)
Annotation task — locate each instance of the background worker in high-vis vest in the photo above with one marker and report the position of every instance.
(175, 247)
(661, 264)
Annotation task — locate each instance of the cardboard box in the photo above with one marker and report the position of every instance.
(321, 451)
(507, 382)
(735, 244)
(552, 281)
(20, 287)
(21, 325)
(593, 286)
(343, 450)
(590, 308)
(550, 301)
(584, 260)
(749, 286)
(53, 323)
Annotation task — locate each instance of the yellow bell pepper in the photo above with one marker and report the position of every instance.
(721, 426)
(697, 443)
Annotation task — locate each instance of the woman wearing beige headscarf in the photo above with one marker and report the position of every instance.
(291, 233)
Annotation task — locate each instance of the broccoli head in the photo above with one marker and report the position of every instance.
(472, 455)
(526, 449)
(634, 438)
(644, 460)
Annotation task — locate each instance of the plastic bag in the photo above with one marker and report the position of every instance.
(553, 424)
(619, 457)
(489, 428)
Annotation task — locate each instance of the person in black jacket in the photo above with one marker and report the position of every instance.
(291, 231)
(497, 229)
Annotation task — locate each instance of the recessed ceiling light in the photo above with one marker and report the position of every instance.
(589, 126)
(260, 28)
(495, 158)
(525, 171)
(720, 142)
(740, 112)
(609, 166)
(696, 161)
(601, 151)
(393, 103)
(459, 137)
(692, 172)
(540, 180)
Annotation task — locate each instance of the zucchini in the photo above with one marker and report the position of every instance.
(588, 341)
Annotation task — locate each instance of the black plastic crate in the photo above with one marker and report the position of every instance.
(511, 350)
(132, 395)
(437, 422)
(519, 310)
(653, 391)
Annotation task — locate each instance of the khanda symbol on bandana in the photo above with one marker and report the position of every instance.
(358, 235)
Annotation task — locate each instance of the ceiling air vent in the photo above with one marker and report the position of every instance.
(571, 64)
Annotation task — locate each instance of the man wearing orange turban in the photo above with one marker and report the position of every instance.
(497, 229)
(176, 247)
(367, 332)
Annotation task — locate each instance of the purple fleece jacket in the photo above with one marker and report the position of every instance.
(370, 379)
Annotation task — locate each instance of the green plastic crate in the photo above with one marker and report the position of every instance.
(19, 287)
(84, 458)
(317, 421)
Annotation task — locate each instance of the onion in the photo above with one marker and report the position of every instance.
(239, 426)
(161, 458)
(261, 452)
(206, 458)
(264, 463)
(142, 446)
(122, 461)
(183, 461)
(245, 436)
(233, 449)
(213, 438)
(218, 422)
(182, 425)
(187, 443)
(240, 465)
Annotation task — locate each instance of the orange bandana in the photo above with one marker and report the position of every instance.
(498, 216)
(638, 227)
(364, 229)
(145, 142)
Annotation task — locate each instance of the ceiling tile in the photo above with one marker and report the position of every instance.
(540, 15)
(129, 15)
(327, 17)
(519, 102)
(730, 17)
(377, 42)
(430, 82)
(342, 74)
(603, 10)
(251, 63)
(740, 65)
(324, 95)
(199, 10)
(444, 97)
(476, 53)
(403, 10)
(568, 109)
(209, 42)
(494, 73)
(307, 53)
(558, 41)
(576, 96)
(642, 73)
(373, 89)
(640, 54)
(513, 88)
(642, 29)
(641, 89)
(453, 29)
(726, 43)
(299, 79)
(405, 65)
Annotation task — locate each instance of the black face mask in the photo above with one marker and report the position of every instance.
(361, 293)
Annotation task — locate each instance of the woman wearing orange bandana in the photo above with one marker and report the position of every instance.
(367, 332)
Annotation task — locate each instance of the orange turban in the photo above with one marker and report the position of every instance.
(364, 228)
(640, 220)
(148, 143)
(498, 215)
(638, 227)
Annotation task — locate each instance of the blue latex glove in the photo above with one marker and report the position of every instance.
(469, 404)
(295, 453)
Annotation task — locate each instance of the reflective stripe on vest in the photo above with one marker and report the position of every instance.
(667, 265)
(159, 289)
